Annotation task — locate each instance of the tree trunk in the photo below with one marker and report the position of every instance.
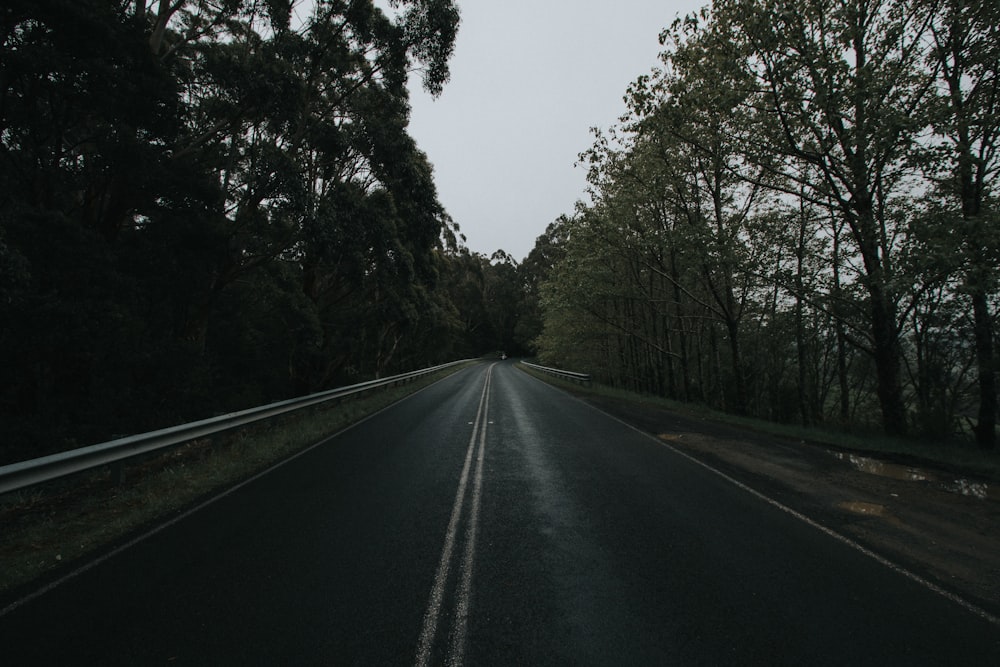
(983, 324)
(681, 330)
(733, 330)
(845, 396)
(887, 368)
(800, 347)
(800, 337)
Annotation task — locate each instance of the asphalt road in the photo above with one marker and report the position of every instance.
(493, 520)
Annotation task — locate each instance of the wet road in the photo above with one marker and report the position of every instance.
(491, 519)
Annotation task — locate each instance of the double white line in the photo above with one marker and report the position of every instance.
(432, 615)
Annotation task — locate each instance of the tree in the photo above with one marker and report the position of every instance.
(839, 84)
(548, 250)
(502, 295)
(962, 159)
(187, 179)
(579, 302)
(699, 129)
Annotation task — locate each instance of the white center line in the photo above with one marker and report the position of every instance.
(432, 615)
(464, 594)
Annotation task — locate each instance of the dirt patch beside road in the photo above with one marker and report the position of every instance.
(939, 525)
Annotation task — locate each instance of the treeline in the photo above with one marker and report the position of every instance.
(797, 219)
(210, 205)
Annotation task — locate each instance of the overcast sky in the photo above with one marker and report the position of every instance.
(529, 78)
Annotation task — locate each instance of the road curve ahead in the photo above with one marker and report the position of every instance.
(492, 520)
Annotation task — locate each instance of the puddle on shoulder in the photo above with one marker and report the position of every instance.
(866, 509)
(883, 469)
(980, 490)
(964, 487)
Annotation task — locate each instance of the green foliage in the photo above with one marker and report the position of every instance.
(796, 219)
(207, 206)
(490, 303)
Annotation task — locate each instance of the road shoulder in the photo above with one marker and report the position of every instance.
(927, 520)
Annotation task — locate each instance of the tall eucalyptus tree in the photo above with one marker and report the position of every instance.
(168, 166)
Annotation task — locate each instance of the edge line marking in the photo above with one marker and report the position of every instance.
(101, 558)
(882, 560)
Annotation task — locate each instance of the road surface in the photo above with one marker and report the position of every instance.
(491, 519)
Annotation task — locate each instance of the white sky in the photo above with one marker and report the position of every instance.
(529, 78)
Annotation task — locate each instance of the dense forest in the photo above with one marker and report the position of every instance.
(796, 219)
(207, 205)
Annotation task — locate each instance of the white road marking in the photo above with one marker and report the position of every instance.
(916, 578)
(895, 567)
(98, 560)
(464, 593)
(433, 613)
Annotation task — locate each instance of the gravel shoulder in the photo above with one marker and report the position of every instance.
(942, 526)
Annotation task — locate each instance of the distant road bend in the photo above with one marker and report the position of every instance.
(491, 519)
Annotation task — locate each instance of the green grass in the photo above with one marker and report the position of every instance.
(46, 528)
(959, 457)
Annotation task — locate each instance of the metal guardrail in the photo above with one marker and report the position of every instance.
(47, 468)
(582, 378)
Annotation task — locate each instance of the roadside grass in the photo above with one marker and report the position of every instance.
(44, 529)
(965, 458)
